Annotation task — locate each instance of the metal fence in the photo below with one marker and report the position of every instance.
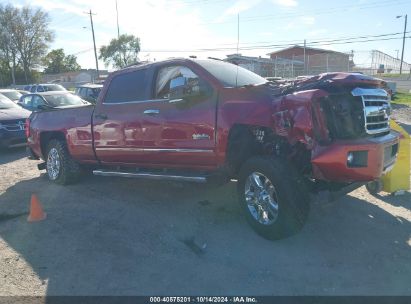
(379, 63)
(298, 65)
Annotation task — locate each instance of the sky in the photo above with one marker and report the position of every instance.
(180, 28)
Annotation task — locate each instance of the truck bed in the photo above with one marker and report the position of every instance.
(73, 123)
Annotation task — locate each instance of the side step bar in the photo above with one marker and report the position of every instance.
(155, 176)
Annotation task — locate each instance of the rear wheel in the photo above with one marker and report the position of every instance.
(61, 168)
(273, 197)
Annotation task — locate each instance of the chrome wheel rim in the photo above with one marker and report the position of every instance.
(261, 198)
(53, 164)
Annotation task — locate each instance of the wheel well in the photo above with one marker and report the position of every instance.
(244, 141)
(45, 138)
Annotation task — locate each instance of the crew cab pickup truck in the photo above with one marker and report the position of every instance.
(208, 120)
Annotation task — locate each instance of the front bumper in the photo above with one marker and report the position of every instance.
(330, 162)
(12, 139)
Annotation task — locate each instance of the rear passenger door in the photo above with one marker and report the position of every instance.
(124, 121)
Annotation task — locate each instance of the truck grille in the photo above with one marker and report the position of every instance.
(13, 125)
(377, 108)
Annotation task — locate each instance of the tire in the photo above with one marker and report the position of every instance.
(61, 168)
(282, 201)
(374, 187)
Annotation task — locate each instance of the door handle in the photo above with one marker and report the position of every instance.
(151, 112)
(101, 116)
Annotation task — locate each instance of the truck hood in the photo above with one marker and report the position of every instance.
(341, 78)
(13, 113)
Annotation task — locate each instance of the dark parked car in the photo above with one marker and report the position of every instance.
(46, 87)
(41, 101)
(12, 124)
(89, 92)
(13, 95)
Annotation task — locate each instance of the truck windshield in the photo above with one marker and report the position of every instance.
(6, 103)
(231, 75)
(61, 100)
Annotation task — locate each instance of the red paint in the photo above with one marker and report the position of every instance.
(128, 136)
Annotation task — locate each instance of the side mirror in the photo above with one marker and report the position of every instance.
(188, 89)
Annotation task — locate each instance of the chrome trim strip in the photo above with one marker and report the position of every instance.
(372, 92)
(133, 102)
(197, 179)
(157, 150)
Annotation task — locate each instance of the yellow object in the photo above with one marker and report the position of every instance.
(399, 177)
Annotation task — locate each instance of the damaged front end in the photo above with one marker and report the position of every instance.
(345, 128)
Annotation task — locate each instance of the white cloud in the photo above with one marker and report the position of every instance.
(308, 20)
(286, 3)
(238, 7)
(316, 33)
(160, 25)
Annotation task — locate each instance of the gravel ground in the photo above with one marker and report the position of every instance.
(111, 236)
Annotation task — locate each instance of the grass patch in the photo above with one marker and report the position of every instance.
(402, 98)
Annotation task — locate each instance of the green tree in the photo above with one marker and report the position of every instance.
(57, 62)
(8, 47)
(121, 52)
(32, 36)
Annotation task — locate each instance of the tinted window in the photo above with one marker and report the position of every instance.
(37, 101)
(26, 100)
(127, 87)
(83, 92)
(33, 89)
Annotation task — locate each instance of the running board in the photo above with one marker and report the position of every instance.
(155, 176)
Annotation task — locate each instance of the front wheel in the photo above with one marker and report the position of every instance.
(61, 168)
(273, 197)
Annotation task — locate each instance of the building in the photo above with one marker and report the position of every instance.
(266, 67)
(72, 79)
(317, 60)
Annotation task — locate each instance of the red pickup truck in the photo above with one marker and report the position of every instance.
(200, 120)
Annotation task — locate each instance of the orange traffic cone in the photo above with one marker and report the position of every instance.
(36, 211)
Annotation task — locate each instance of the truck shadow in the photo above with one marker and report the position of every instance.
(107, 236)
(12, 154)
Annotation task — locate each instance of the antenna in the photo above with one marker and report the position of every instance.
(118, 28)
(238, 43)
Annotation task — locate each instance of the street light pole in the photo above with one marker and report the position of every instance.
(403, 42)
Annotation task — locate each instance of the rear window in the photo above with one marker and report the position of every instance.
(61, 100)
(127, 87)
(53, 87)
(13, 95)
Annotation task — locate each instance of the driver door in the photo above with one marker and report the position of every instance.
(187, 112)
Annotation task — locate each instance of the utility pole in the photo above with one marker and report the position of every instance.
(305, 66)
(238, 32)
(118, 28)
(397, 53)
(94, 40)
(403, 41)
